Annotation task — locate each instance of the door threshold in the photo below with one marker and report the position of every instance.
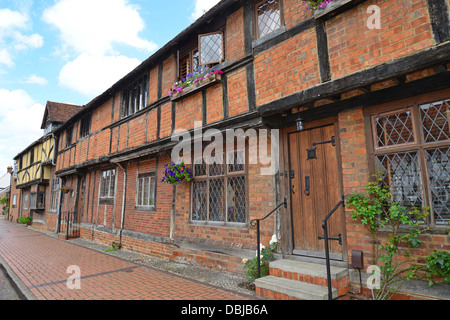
(310, 259)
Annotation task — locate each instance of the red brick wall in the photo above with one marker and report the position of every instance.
(166, 121)
(153, 92)
(405, 28)
(237, 92)
(155, 222)
(214, 103)
(287, 68)
(235, 48)
(355, 173)
(295, 12)
(188, 111)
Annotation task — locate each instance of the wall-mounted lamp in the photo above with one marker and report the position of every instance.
(300, 125)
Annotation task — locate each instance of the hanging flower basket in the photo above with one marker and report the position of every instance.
(65, 189)
(176, 173)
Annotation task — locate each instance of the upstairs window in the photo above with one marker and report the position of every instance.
(85, 127)
(69, 136)
(211, 48)
(268, 17)
(208, 53)
(135, 97)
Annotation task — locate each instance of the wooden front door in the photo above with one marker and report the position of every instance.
(314, 191)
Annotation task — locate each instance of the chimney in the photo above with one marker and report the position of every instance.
(10, 169)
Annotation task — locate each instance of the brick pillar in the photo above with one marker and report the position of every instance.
(355, 174)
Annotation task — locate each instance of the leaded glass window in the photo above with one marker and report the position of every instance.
(412, 151)
(219, 189)
(211, 48)
(268, 15)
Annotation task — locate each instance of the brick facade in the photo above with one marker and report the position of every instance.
(314, 68)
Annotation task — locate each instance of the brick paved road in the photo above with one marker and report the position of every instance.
(41, 263)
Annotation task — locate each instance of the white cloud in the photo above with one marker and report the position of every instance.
(5, 58)
(94, 26)
(34, 79)
(202, 6)
(12, 39)
(11, 19)
(22, 42)
(20, 122)
(92, 75)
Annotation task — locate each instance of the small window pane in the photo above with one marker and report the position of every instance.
(438, 165)
(211, 48)
(199, 167)
(216, 166)
(269, 17)
(200, 202)
(436, 121)
(394, 129)
(216, 200)
(236, 204)
(402, 174)
(236, 161)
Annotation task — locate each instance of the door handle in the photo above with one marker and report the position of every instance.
(307, 185)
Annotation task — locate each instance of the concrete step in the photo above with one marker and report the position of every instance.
(308, 272)
(277, 288)
(291, 279)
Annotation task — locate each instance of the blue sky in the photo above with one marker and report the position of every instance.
(72, 51)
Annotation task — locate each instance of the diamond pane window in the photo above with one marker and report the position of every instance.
(236, 161)
(219, 189)
(436, 121)
(236, 200)
(268, 17)
(216, 200)
(216, 166)
(200, 202)
(402, 174)
(416, 167)
(438, 165)
(394, 129)
(211, 48)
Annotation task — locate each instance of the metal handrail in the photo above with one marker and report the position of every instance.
(327, 250)
(256, 222)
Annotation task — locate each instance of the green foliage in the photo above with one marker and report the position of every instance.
(114, 247)
(438, 266)
(377, 211)
(4, 200)
(25, 220)
(176, 173)
(251, 266)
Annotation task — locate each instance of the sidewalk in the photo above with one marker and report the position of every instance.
(38, 264)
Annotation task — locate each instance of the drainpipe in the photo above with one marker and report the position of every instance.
(124, 193)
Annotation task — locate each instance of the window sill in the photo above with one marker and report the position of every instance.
(336, 7)
(200, 85)
(145, 208)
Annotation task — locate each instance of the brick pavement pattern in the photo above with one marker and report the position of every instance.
(41, 263)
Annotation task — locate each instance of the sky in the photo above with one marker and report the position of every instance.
(71, 51)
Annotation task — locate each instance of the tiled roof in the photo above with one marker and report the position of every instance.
(59, 112)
